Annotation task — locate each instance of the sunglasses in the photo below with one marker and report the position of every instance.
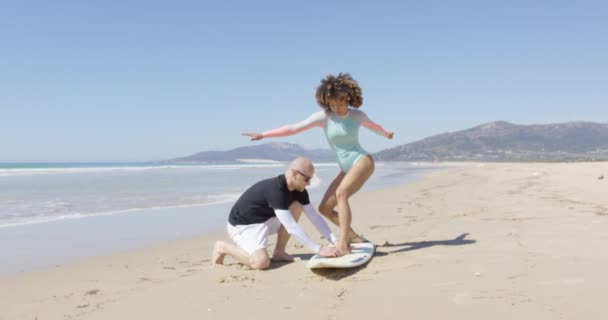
(306, 178)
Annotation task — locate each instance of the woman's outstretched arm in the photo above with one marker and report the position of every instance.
(366, 122)
(317, 119)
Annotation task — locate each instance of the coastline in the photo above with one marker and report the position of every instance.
(47, 241)
(35, 247)
(477, 240)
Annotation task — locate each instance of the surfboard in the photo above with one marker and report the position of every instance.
(361, 254)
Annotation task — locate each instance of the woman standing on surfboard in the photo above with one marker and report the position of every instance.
(340, 97)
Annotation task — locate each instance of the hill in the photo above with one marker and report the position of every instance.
(504, 141)
(273, 151)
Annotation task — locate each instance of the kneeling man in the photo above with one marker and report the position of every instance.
(273, 206)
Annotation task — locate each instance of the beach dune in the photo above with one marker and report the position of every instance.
(474, 241)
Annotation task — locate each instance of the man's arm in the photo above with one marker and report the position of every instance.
(294, 229)
(319, 223)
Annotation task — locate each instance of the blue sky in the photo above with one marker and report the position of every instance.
(150, 80)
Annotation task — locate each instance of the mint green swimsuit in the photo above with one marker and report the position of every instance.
(342, 133)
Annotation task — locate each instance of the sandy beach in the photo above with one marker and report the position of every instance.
(475, 241)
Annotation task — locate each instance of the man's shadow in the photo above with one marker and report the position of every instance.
(298, 256)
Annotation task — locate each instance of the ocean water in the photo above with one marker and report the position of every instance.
(42, 193)
(51, 214)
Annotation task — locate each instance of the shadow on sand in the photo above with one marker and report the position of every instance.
(409, 246)
(279, 264)
(329, 273)
(339, 273)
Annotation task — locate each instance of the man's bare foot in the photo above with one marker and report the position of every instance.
(217, 257)
(283, 256)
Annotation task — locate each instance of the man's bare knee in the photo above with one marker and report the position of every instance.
(259, 260)
(259, 263)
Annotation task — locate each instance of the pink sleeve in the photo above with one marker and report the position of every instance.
(364, 121)
(315, 120)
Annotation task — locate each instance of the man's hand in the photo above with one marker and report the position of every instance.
(328, 252)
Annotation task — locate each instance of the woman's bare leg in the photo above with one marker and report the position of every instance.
(329, 202)
(351, 183)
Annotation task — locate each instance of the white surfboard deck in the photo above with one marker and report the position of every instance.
(361, 254)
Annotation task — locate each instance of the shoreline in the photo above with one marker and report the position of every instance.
(18, 219)
(36, 246)
(478, 241)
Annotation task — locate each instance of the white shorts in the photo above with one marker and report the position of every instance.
(252, 237)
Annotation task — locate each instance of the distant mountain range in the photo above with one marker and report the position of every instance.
(273, 151)
(495, 141)
(504, 141)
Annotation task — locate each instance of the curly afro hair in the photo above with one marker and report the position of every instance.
(342, 86)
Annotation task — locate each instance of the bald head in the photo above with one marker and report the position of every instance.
(303, 165)
(299, 167)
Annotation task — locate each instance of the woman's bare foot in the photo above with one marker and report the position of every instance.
(358, 239)
(217, 257)
(343, 248)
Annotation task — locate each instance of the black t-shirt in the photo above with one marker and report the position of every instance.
(257, 204)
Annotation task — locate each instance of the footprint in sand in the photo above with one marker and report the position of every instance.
(237, 278)
(92, 292)
(382, 227)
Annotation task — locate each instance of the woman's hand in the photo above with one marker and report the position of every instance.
(253, 135)
(390, 135)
